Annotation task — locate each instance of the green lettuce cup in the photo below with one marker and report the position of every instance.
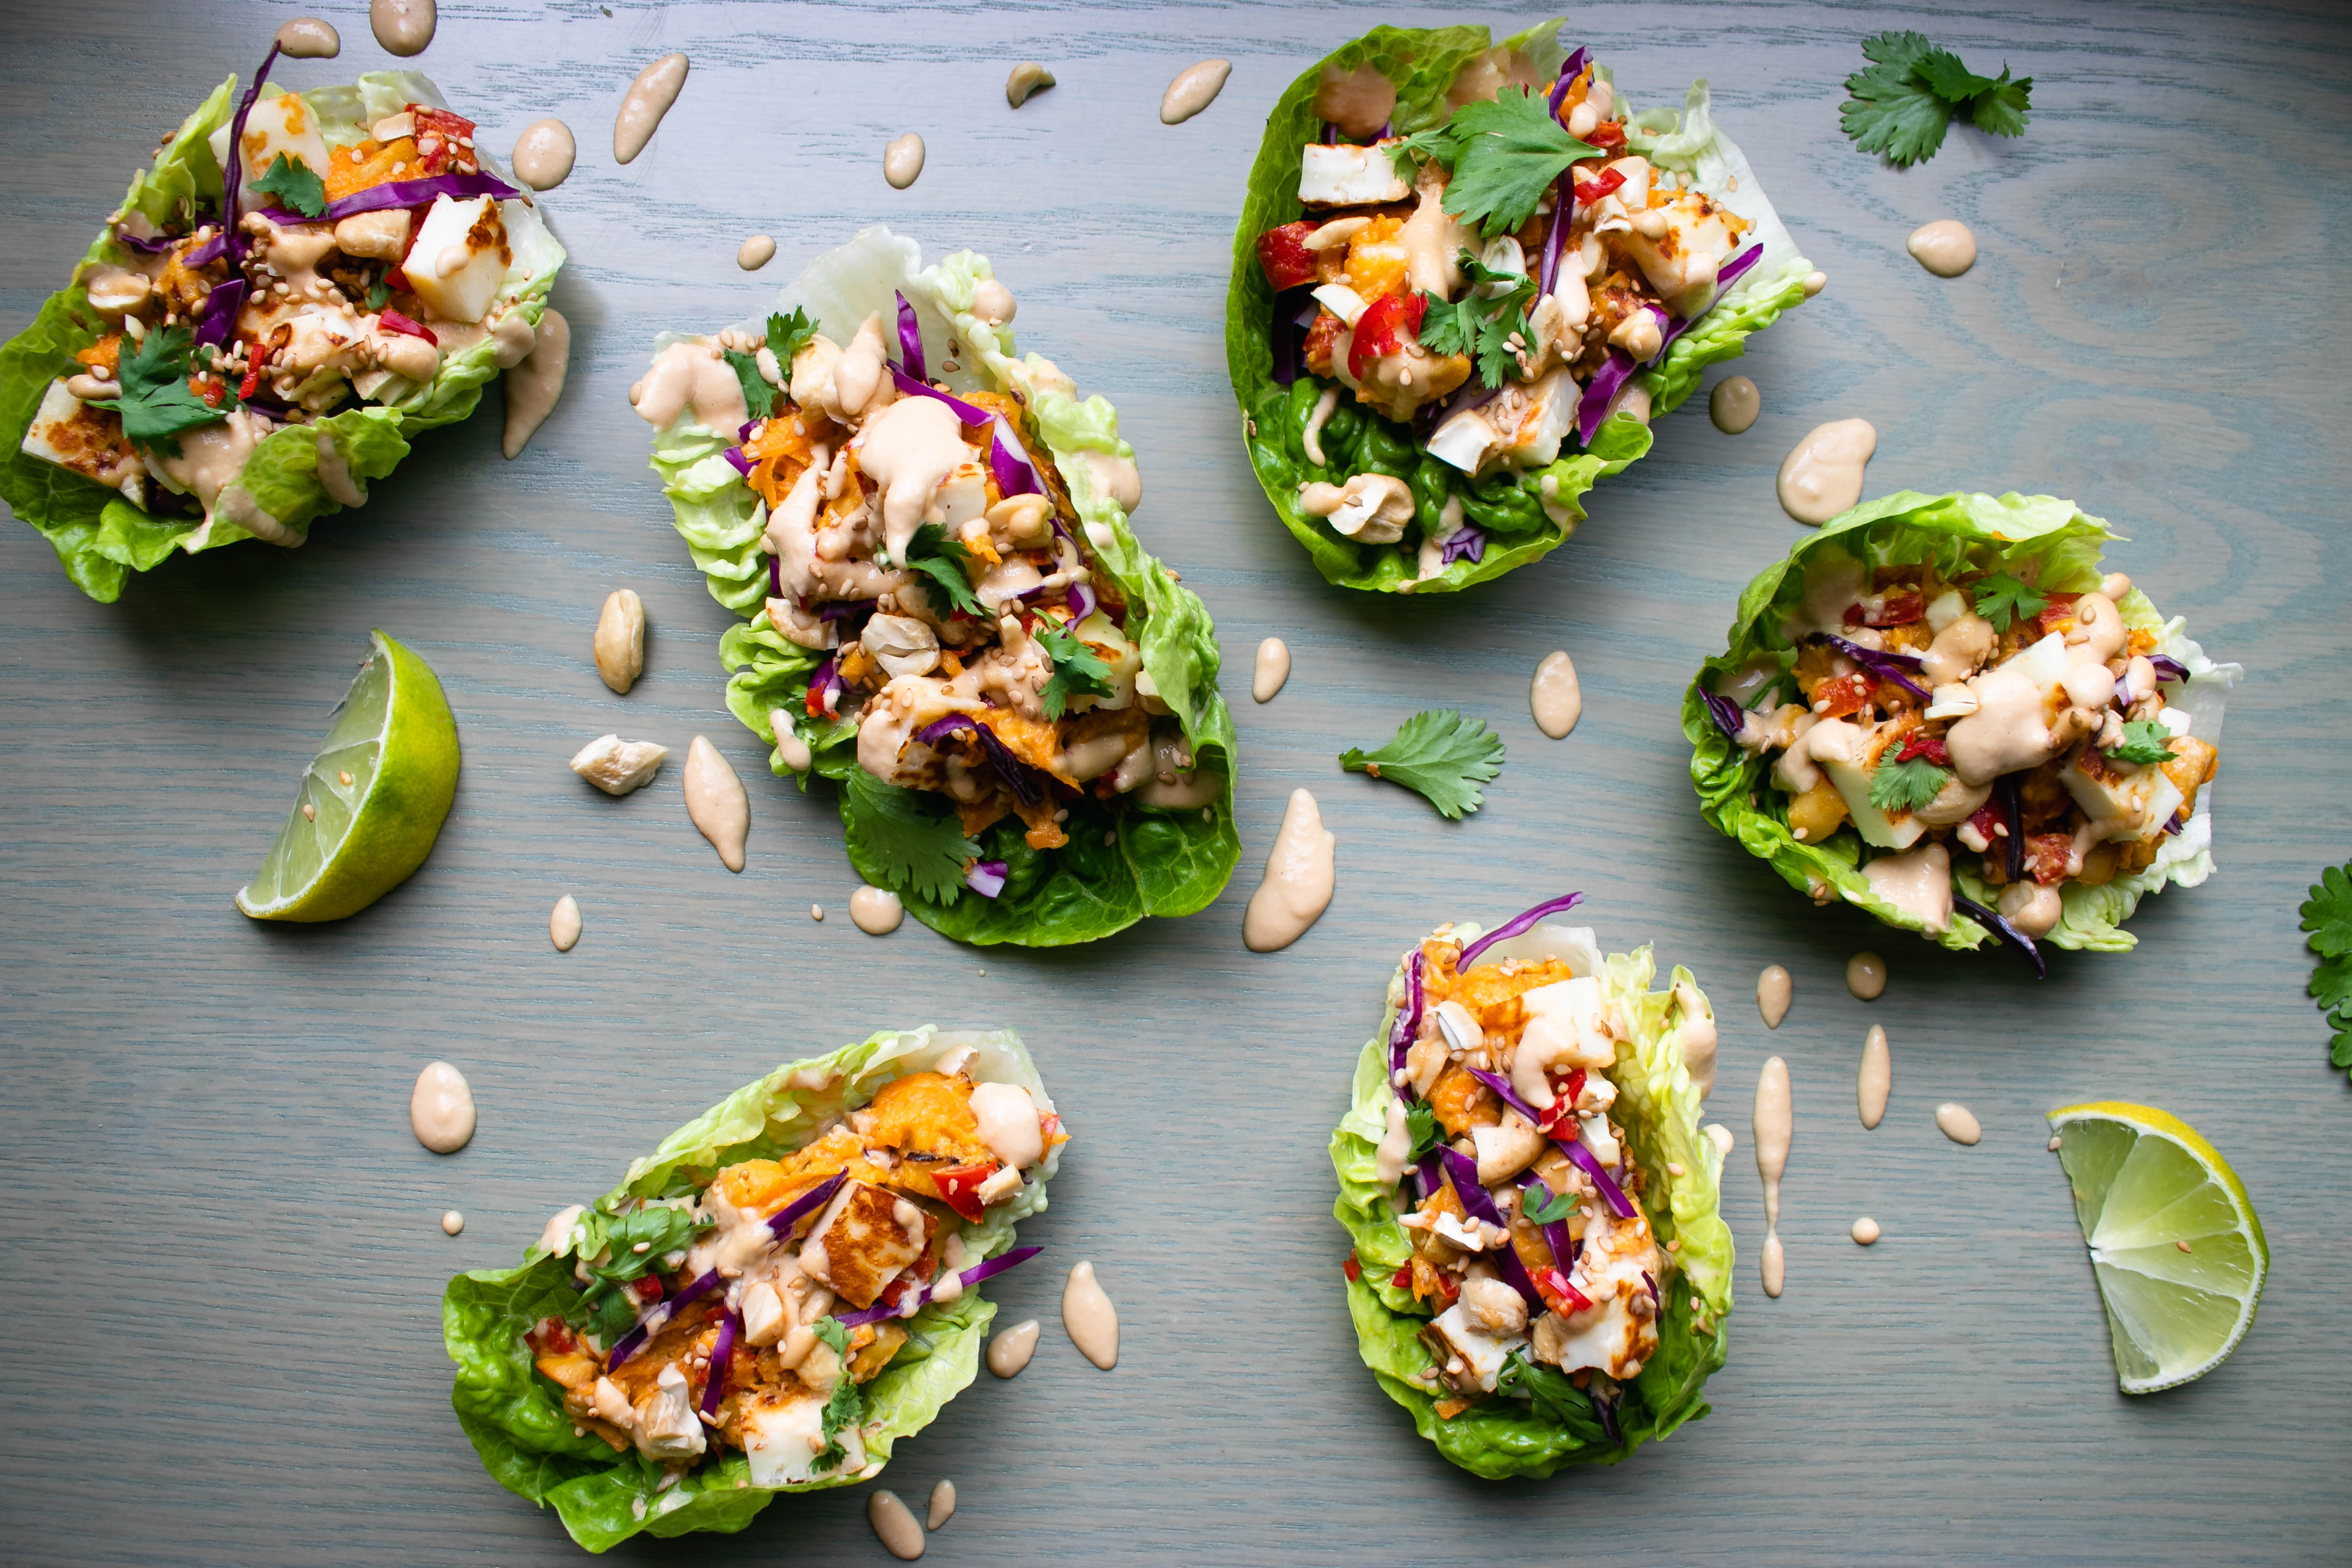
(1432, 369)
(770, 1300)
(230, 408)
(1017, 704)
(1944, 711)
(1540, 1275)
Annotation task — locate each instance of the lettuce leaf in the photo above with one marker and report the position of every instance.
(2061, 547)
(1159, 861)
(100, 536)
(1658, 1105)
(514, 1417)
(1525, 516)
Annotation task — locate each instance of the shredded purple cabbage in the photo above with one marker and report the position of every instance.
(1563, 213)
(781, 1223)
(222, 307)
(1607, 382)
(207, 253)
(1733, 271)
(1289, 340)
(1015, 474)
(2001, 928)
(1469, 540)
(2169, 668)
(1015, 772)
(2013, 808)
(845, 609)
(402, 194)
(915, 1301)
(1885, 666)
(826, 685)
(1463, 1172)
(155, 246)
(910, 341)
(1506, 1094)
(714, 1387)
(1564, 1248)
(2176, 822)
(232, 178)
(970, 414)
(1729, 716)
(986, 878)
(743, 465)
(1407, 1027)
(1514, 926)
(1570, 69)
(1590, 1164)
(627, 1344)
(775, 577)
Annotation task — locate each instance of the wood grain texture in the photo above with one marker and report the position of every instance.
(222, 1242)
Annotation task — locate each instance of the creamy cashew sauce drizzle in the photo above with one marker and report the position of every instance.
(755, 252)
(544, 153)
(1958, 1122)
(1091, 1320)
(900, 1531)
(1865, 1231)
(1772, 989)
(1876, 1078)
(1773, 1132)
(1272, 669)
(790, 745)
(308, 38)
(1734, 405)
(1195, 88)
(715, 802)
(535, 384)
(902, 161)
(1554, 697)
(1866, 975)
(403, 26)
(1009, 1351)
(563, 923)
(1299, 874)
(648, 99)
(876, 910)
(1944, 247)
(1823, 476)
(441, 1109)
(943, 1501)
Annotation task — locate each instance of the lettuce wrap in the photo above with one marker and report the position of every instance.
(937, 644)
(216, 455)
(1584, 1334)
(1400, 464)
(513, 1331)
(1910, 622)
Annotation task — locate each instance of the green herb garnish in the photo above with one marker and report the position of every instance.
(295, 185)
(1555, 1207)
(1504, 154)
(1902, 103)
(843, 1410)
(2327, 916)
(1439, 755)
(946, 562)
(1078, 671)
(155, 402)
(2001, 598)
(906, 842)
(2145, 741)
(1906, 786)
(787, 335)
(759, 398)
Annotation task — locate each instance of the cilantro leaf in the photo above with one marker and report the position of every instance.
(1891, 113)
(2001, 598)
(1078, 669)
(946, 562)
(1449, 327)
(787, 335)
(1555, 1398)
(1420, 1126)
(1896, 51)
(2144, 741)
(1439, 755)
(1412, 151)
(1505, 155)
(155, 402)
(1950, 81)
(379, 295)
(2331, 984)
(1555, 1207)
(759, 398)
(1906, 786)
(908, 845)
(2327, 916)
(1497, 360)
(2002, 111)
(634, 1245)
(846, 1407)
(295, 185)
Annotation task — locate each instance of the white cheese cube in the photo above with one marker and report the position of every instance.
(2137, 802)
(1565, 1026)
(1483, 1355)
(280, 125)
(1350, 176)
(460, 257)
(1464, 441)
(1533, 421)
(764, 1318)
(1852, 782)
(64, 433)
(782, 1435)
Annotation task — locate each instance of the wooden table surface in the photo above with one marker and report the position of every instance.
(221, 1239)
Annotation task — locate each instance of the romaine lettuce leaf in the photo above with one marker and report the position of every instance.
(100, 537)
(1525, 516)
(2063, 547)
(1159, 861)
(1658, 1105)
(514, 1417)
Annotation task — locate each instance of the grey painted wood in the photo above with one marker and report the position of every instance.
(221, 1240)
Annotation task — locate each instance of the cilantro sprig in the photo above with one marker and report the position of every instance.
(2001, 598)
(1903, 100)
(1556, 1207)
(1480, 326)
(1503, 155)
(2144, 741)
(945, 561)
(1078, 671)
(1906, 786)
(1438, 754)
(906, 844)
(1420, 1126)
(295, 185)
(634, 1245)
(846, 1407)
(787, 335)
(155, 402)
(2327, 916)
(759, 398)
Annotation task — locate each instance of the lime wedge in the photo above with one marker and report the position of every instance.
(2175, 1241)
(371, 801)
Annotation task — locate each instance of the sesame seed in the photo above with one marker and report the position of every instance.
(309, 812)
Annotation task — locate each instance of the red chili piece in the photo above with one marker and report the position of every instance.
(1386, 324)
(1283, 256)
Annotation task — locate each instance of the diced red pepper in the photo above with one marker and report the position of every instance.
(1386, 324)
(2059, 609)
(1608, 133)
(1988, 819)
(2049, 857)
(1601, 184)
(1448, 1288)
(1322, 337)
(1898, 610)
(1844, 694)
(649, 1287)
(1049, 1127)
(252, 373)
(445, 129)
(551, 1336)
(1854, 614)
(1919, 743)
(1404, 1280)
(1562, 1296)
(959, 1187)
(1283, 256)
(392, 321)
(1563, 1107)
(1355, 1270)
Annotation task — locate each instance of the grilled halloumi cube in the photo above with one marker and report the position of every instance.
(866, 1237)
(782, 1433)
(1345, 176)
(460, 257)
(88, 441)
(280, 125)
(2121, 800)
(1483, 1355)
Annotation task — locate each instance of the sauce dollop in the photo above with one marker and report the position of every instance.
(441, 1109)
(1299, 876)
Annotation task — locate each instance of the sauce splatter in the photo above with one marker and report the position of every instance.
(648, 99)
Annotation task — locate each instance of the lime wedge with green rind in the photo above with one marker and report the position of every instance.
(371, 801)
(2175, 1243)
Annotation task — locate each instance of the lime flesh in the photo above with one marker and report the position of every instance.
(371, 801)
(2175, 1243)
